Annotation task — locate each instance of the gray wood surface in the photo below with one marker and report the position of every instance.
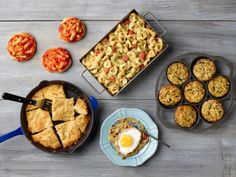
(192, 26)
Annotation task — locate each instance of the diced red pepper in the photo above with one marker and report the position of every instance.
(97, 52)
(106, 70)
(141, 66)
(113, 48)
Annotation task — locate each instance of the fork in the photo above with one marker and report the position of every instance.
(44, 104)
(135, 125)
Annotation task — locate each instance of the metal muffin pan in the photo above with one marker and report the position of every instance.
(98, 87)
(223, 67)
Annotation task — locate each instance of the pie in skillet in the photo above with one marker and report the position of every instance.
(81, 107)
(71, 29)
(62, 109)
(22, 46)
(68, 132)
(47, 138)
(38, 120)
(56, 60)
(54, 91)
(37, 96)
(82, 122)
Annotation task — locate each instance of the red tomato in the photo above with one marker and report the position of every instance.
(142, 55)
(125, 58)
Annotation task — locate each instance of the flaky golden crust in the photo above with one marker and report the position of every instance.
(82, 122)
(56, 60)
(38, 120)
(22, 46)
(170, 95)
(68, 132)
(37, 96)
(53, 91)
(81, 107)
(62, 109)
(72, 29)
(194, 92)
(47, 138)
(185, 116)
(212, 110)
(219, 86)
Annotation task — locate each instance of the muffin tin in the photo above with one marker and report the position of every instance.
(166, 115)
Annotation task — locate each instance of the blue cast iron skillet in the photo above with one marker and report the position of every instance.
(70, 91)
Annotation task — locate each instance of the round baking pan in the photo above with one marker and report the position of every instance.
(223, 67)
(70, 91)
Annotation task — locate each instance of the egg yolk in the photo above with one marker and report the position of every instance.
(126, 141)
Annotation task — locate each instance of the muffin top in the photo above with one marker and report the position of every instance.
(185, 116)
(212, 110)
(194, 92)
(170, 95)
(219, 86)
(177, 73)
(204, 69)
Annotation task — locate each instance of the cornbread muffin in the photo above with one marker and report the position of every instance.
(185, 116)
(170, 95)
(22, 46)
(219, 86)
(177, 73)
(204, 69)
(194, 92)
(212, 110)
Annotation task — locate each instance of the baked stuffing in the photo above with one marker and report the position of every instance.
(212, 110)
(185, 116)
(170, 95)
(204, 69)
(38, 120)
(194, 92)
(47, 138)
(177, 73)
(219, 86)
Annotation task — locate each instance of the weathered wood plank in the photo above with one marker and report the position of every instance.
(210, 153)
(217, 38)
(115, 10)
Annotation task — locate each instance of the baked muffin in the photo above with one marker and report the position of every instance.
(194, 92)
(170, 95)
(219, 86)
(185, 116)
(177, 73)
(204, 69)
(212, 110)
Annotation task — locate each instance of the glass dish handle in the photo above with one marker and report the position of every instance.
(90, 84)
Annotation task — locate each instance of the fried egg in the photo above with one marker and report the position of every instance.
(128, 140)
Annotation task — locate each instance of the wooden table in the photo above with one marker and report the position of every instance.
(192, 26)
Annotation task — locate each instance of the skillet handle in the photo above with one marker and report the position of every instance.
(93, 102)
(11, 134)
(11, 97)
